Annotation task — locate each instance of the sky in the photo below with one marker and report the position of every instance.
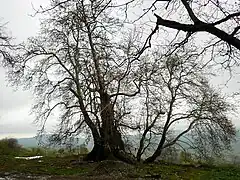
(15, 118)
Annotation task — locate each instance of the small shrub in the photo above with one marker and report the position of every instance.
(9, 146)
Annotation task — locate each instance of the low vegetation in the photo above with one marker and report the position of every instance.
(62, 164)
(64, 167)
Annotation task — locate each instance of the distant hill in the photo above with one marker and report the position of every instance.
(28, 142)
(33, 142)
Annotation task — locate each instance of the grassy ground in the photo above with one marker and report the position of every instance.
(64, 168)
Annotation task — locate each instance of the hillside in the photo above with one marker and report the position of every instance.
(33, 142)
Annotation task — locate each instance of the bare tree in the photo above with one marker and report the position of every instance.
(176, 92)
(84, 67)
(78, 67)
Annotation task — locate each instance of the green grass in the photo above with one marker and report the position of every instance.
(63, 167)
(171, 172)
(223, 173)
(46, 166)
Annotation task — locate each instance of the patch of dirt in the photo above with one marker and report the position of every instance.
(113, 169)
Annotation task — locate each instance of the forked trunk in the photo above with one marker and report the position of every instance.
(102, 151)
(110, 144)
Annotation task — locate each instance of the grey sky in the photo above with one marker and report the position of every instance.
(15, 106)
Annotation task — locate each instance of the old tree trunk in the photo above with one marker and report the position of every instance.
(108, 143)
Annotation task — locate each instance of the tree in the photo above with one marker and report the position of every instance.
(84, 67)
(193, 21)
(176, 92)
(77, 67)
(9, 146)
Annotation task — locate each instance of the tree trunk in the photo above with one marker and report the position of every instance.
(158, 151)
(100, 153)
(97, 153)
(109, 132)
(153, 157)
(110, 145)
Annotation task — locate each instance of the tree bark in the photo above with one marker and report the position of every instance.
(100, 153)
(110, 144)
(110, 133)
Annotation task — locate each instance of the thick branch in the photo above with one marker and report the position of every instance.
(190, 12)
(130, 127)
(201, 26)
(86, 116)
(125, 94)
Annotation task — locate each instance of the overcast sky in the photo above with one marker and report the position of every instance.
(15, 106)
(15, 120)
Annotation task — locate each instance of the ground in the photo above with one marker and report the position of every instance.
(52, 168)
